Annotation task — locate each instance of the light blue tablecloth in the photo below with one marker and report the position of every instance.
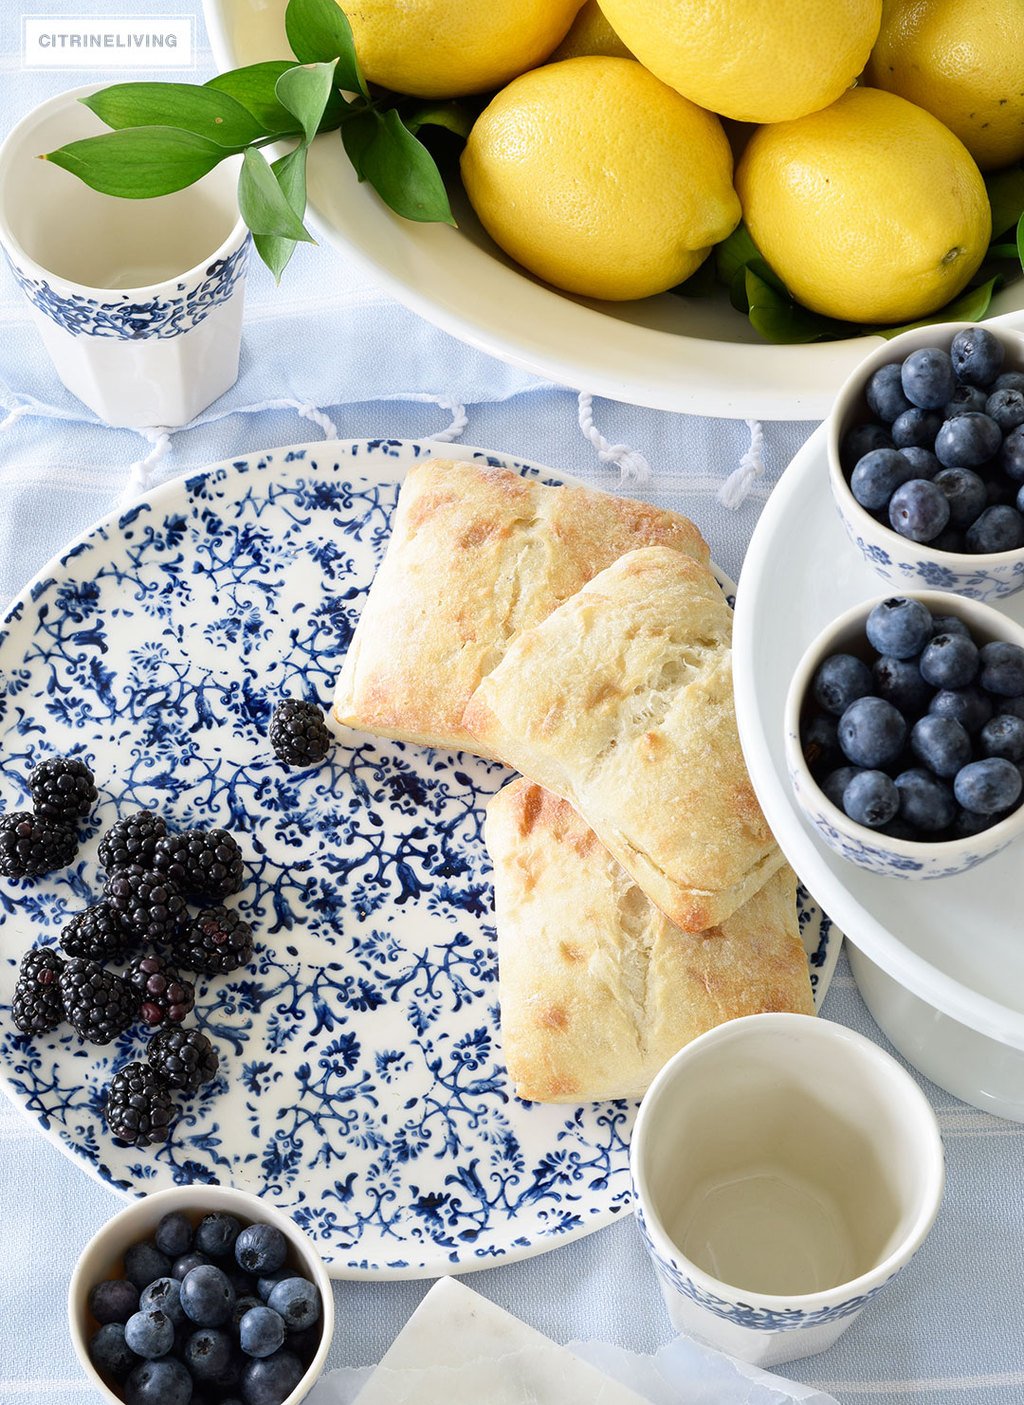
(950, 1328)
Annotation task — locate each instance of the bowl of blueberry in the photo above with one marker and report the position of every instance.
(926, 459)
(905, 734)
(201, 1294)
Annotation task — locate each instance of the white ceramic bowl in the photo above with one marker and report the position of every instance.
(903, 563)
(102, 1259)
(894, 858)
(697, 355)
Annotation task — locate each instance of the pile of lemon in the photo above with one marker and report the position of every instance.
(605, 162)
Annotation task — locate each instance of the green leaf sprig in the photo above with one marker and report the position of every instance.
(166, 136)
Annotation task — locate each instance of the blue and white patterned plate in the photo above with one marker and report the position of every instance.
(362, 1086)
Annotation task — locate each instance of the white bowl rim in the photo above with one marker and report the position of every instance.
(813, 1027)
(1005, 831)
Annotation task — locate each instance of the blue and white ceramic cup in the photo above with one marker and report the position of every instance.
(138, 302)
(785, 1169)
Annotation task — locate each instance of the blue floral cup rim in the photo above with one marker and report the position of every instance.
(909, 855)
(775, 1311)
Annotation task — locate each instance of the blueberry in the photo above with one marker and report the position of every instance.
(999, 489)
(1012, 456)
(900, 829)
(1003, 736)
(965, 492)
(840, 679)
(898, 626)
(242, 1306)
(986, 787)
(925, 802)
(977, 356)
(261, 1248)
(216, 1234)
(208, 1353)
(950, 661)
(173, 1235)
(144, 1262)
(117, 1298)
(834, 786)
(964, 399)
(922, 461)
(272, 1379)
(150, 1333)
(860, 441)
(997, 529)
(942, 744)
(207, 1296)
(872, 733)
(159, 1383)
(951, 539)
(949, 624)
(885, 394)
(261, 1331)
(1006, 407)
(187, 1263)
(1011, 707)
(1002, 669)
(819, 738)
(927, 378)
(266, 1282)
(968, 706)
(918, 510)
(306, 1342)
(916, 429)
(297, 1300)
(877, 476)
(899, 682)
(1009, 380)
(967, 824)
(109, 1352)
(165, 1294)
(967, 441)
(871, 799)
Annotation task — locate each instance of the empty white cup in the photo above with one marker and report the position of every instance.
(785, 1169)
(138, 302)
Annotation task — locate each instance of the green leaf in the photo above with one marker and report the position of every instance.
(1020, 240)
(182, 105)
(970, 306)
(357, 134)
(779, 319)
(1001, 251)
(401, 170)
(263, 203)
(290, 174)
(255, 88)
(305, 91)
(138, 162)
(1006, 196)
(734, 253)
(318, 31)
(450, 115)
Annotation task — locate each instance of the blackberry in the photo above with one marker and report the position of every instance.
(99, 1004)
(97, 933)
(30, 846)
(163, 996)
(148, 901)
(219, 940)
(38, 1006)
(63, 789)
(298, 733)
(206, 863)
(131, 840)
(184, 1058)
(139, 1108)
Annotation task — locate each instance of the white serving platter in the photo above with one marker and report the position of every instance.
(696, 355)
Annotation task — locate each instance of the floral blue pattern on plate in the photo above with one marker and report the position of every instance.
(361, 1086)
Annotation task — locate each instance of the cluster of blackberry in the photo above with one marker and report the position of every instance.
(45, 838)
(153, 875)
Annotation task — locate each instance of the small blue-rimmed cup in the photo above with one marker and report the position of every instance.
(138, 302)
(893, 858)
(904, 564)
(785, 1169)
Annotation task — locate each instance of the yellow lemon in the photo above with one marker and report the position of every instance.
(590, 34)
(747, 59)
(600, 179)
(963, 60)
(871, 210)
(447, 48)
